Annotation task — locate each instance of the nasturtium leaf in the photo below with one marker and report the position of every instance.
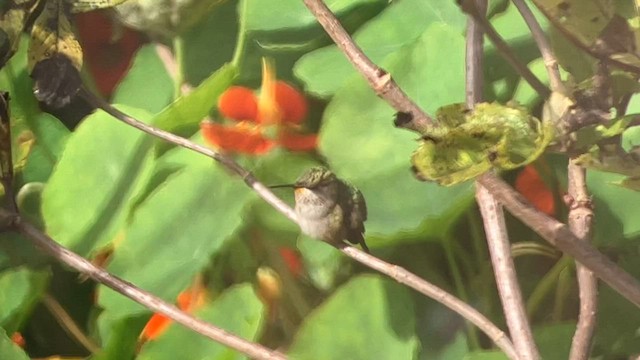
(616, 223)
(20, 291)
(270, 15)
(9, 350)
(470, 142)
(325, 70)
(237, 311)
(187, 111)
(174, 232)
(118, 336)
(147, 85)
(50, 137)
(88, 194)
(367, 318)
(55, 55)
(363, 147)
(554, 340)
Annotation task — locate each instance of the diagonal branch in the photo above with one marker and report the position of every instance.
(134, 293)
(493, 215)
(379, 80)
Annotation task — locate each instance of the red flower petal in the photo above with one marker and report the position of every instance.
(155, 327)
(242, 137)
(530, 185)
(297, 142)
(18, 339)
(238, 103)
(292, 104)
(293, 261)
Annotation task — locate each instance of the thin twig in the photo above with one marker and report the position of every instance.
(559, 235)
(550, 61)
(492, 213)
(136, 294)
(6, 157)
(505, 274)
(470, 8)
(580, 221)
(68, 324)
(227, 161)
(379, 80)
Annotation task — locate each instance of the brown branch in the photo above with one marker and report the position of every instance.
(550, 61)
(559, 235)
(492, 214)
(228, 162)
(379, 80)
(470, 8)
(393, 271)
(134, 293)
(6, 158)
(68, 324)
(580, 223)
(505, 274)
(580, 210)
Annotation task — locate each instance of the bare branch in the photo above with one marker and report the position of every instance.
(550, 61)
(559, 235)
(392, 271)
(227, 161)
(136, 294)
(580, 221)
(492, 214)
(470, 8)
(6, 155)
(379, 80)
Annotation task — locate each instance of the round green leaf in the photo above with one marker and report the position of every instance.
(367, 318)
(87, 197)
(174, 232)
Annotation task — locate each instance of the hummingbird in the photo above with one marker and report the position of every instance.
(328, 208)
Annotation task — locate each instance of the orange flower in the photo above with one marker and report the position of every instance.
(279, 106)
(293, 261)
(18, 339)
(530, 185)
(188, 301)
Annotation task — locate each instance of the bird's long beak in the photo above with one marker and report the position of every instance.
(282, 186)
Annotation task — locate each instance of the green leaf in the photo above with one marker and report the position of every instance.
(119, 336)
(470, 142)
(554, 340)
(147, 85)
(367, 318)
(9, 350)
(20, 291)
(88, 194)
(50, 138)
(363, 147)
(325, 70)
(237, 311)
(189, 110)
(273, 15)
(173, 234)
(615, 223)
